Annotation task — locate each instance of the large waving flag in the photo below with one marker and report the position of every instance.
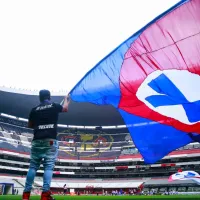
(153, 80)
(185, 175)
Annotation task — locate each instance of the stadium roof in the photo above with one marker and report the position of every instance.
(19, 103)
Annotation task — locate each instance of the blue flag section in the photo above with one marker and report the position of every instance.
(153, 80)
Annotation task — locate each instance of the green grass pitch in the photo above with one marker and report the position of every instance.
(8, 197)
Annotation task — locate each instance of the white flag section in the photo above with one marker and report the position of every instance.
(185, 175)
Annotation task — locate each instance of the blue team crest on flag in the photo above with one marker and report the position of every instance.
(166, 93)
(153, 80)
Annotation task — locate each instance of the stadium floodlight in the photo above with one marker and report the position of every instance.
(121, 126)
(73, 126)
(90, 127)
(62, 125)
(22, 119)
(108, 127)
(9, 116)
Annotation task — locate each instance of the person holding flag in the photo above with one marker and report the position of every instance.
(43, 120)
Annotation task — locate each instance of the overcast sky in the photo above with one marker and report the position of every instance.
(52, 44)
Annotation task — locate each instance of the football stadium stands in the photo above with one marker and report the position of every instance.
(93, 161)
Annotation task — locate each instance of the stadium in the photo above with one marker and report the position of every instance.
(96, 155)
(133, 123)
